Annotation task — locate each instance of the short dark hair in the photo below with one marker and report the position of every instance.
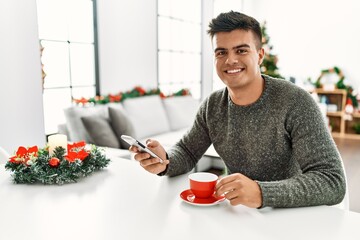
(229, 21)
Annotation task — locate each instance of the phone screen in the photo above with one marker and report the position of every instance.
(132, 141)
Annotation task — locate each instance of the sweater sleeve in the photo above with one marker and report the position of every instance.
(322, 180)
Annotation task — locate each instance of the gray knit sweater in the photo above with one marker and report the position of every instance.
(281, 141)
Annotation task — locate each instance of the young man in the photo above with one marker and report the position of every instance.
(269, 133)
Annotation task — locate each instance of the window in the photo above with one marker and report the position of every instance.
(66, 32)
(179, 46)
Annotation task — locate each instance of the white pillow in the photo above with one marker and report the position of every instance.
(147, 115)
(181, 111)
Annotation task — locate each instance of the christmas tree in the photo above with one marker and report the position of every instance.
(268, 66)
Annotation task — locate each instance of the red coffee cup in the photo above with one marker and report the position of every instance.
(202, 184)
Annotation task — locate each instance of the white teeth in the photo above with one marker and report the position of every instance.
(234, 71)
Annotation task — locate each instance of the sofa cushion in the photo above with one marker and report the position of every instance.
(100, 131)
(62, 129)
(121, 125)
(147, 114)
(76, 128)
(168, 139)
(181, 111)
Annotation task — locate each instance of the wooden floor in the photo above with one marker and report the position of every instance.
(350, 153)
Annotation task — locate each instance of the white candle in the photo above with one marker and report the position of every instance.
(57, 140)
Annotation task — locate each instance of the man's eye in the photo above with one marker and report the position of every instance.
(220, 53)
(241, 51)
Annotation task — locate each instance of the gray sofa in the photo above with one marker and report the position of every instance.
(165, 120)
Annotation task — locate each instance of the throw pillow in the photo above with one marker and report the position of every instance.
(148, 116)
(181, 111)
(121, 125)
(100, 131)
(76, 128)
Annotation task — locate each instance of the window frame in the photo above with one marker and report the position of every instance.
(71, 86)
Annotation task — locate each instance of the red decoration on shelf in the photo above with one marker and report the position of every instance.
(349, 108)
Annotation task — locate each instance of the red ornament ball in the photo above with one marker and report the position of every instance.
(54, 162)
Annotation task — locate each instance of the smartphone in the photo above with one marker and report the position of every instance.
(139, 145)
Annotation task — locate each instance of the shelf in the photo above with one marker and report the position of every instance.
(336, 134)
(349, 127)
(347, 136)
(336, 97)
(341, 128)
(356, 115)
(334, 114)
(336, 91)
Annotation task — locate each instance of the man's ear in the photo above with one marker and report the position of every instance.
(261, 56)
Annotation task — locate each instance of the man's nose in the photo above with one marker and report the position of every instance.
(231, 59)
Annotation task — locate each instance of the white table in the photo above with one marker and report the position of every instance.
(125, 202)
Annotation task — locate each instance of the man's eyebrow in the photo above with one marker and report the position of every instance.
(236, 47)
(219, 49)
(241, 46)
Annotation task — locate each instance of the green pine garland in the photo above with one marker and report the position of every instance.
(134, 93)
(66, 171)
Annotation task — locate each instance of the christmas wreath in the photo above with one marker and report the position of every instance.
(331, 70)
(340, 83)
(31, 165)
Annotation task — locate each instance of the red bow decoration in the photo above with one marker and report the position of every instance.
(76, 151)
(23, 155)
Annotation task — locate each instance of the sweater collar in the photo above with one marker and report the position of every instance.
(260, 100)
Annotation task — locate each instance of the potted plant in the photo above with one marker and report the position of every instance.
(356, 128)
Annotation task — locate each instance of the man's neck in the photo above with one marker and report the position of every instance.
(247, 95)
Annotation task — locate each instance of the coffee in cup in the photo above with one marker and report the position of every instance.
(202, 184)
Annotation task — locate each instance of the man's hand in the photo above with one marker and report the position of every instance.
(149, 163)
(239, 189)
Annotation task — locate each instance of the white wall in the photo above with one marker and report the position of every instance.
(309, 36)
(21, 107)
(207, 62)
(127, 44)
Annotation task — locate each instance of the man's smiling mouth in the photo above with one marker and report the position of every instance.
(237, 70)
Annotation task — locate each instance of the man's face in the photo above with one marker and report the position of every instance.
(237, 59)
